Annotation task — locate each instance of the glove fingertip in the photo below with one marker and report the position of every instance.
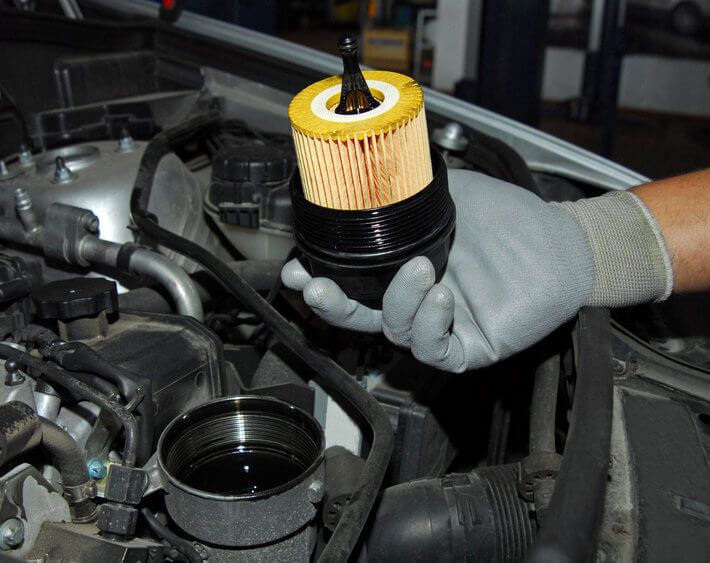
(322, 294)
(419, 270)
(294, 275)
(441, 297)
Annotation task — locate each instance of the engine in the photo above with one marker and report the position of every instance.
(151, 411)
(164, 398)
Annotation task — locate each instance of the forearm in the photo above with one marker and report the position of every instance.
(681, 207)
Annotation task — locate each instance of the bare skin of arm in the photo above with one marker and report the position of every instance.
(681, 206)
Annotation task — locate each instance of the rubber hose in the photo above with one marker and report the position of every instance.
(66, 453)
(569, 531)
(262, 275)
(164, 533)
(14, 289)
(329, 374)
(79, 357)
(38, 335)
(543, 407)
(101, 385)
(79, 389)
(21, 430)
(45, 340)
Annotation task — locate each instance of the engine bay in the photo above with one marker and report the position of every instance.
(164, 397)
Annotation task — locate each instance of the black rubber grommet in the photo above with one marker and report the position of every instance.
(123, 258)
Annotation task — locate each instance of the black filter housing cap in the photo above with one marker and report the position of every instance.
(362, 250)
(75, 297)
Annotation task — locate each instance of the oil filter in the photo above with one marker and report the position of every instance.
(362, 160)
(370, 193)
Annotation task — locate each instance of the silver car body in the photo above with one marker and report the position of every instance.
(542, 152)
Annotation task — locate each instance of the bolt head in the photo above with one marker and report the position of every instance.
(13, 375)
(453, 130)
(618, 366)
(62, 173)
(201, 550)
(12, 533)
(91, 223)
(126, 143)
(315, 491)
(451, 137)
(23, 201)
(97, 469)
(25, 157)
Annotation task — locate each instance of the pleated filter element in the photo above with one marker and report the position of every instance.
(366, 160)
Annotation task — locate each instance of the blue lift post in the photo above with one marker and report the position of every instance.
(512, 58)
(602, 70)
(513, 42)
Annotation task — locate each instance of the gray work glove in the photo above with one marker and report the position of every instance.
(518, 269)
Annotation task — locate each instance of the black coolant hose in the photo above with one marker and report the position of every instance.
(184, 547)
(66, 453)
(63, 379)
(21, 430)
(79, 357)
(68, 456)
(14, 289)
(572, 520)
(329, 374)
(543, 406)
(101, 385)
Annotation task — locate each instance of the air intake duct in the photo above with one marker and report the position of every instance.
(476, 516)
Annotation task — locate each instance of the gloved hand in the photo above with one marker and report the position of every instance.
(518, 269)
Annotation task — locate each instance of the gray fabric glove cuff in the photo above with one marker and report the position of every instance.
(632, 264)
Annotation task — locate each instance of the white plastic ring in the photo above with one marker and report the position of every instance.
(320, 109)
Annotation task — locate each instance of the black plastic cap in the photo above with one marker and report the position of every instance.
(125, 484)
(117, 519)
(254, 164)
(76, 297)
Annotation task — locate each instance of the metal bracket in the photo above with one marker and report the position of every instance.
(79, 493)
